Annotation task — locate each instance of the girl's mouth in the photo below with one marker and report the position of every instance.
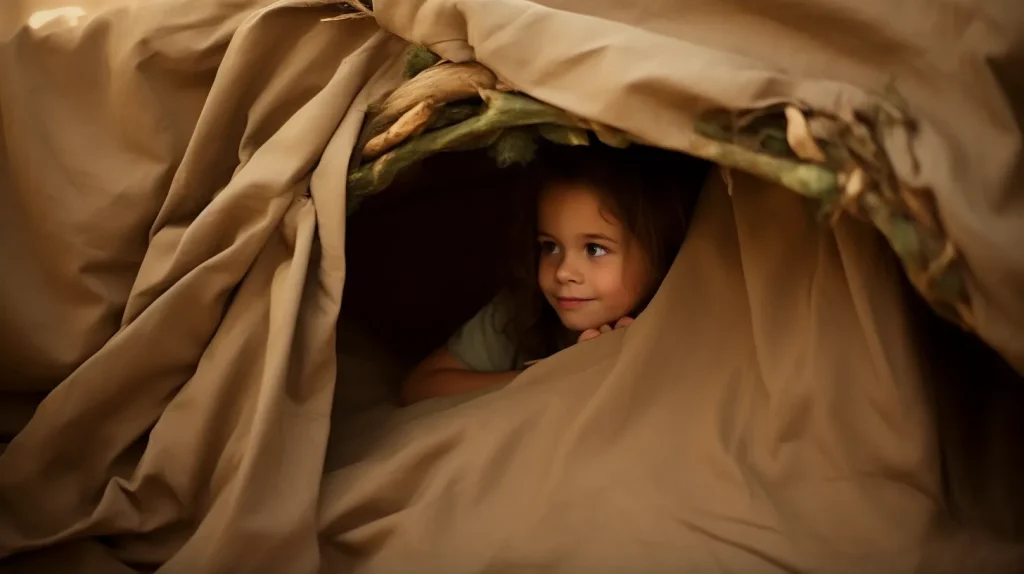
(571, 302)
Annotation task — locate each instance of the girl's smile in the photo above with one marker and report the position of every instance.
(571, 303)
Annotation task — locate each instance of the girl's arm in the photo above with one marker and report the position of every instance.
(441, 374)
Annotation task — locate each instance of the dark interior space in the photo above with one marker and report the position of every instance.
(447, 217)
(978, 400)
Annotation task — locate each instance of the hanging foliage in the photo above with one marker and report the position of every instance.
(834, 159)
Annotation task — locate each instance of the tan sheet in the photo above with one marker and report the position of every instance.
(172, 238)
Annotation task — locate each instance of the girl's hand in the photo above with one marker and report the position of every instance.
(595, 333)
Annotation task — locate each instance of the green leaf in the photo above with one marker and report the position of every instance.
(514, 146)
(419, 59)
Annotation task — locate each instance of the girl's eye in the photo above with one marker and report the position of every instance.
(548, 247)
(595, 250)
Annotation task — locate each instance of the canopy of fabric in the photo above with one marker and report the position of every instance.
(175, 390)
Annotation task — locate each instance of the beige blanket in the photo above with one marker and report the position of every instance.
(172, 243)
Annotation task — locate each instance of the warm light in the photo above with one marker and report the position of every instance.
(70, 16)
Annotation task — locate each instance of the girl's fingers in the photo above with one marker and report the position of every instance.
(594, 333)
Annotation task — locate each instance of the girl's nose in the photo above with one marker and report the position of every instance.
(567, 271)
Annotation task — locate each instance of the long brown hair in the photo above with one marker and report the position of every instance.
(650, 191)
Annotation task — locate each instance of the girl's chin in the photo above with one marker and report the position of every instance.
(578, 326)
(582, 319)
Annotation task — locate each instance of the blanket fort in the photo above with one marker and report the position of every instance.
(204, 309)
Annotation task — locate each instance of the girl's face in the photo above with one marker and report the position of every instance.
(592, 271)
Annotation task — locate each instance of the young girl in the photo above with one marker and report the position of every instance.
(605, 226)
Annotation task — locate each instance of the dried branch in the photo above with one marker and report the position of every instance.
(503, 110)
(856, 178)
(806, 179)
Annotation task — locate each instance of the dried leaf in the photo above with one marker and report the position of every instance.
(727, 178)
(504, 85)
(824, 127)
(920, 203)
(798, 134)
(938, 266)
(610, 136)
(564, 135)
(854, 184)
(441, 83)
(410, 124)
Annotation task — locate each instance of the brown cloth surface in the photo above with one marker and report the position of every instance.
(172, 238)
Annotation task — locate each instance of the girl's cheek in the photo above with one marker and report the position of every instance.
(545, 268)
(634, 279)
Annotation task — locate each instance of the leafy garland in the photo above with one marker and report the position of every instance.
(835, 159)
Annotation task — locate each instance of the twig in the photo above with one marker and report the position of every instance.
(358, 5)
(808, 180)
(349, 16)
(361, 11)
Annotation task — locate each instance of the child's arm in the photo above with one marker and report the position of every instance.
(442, 374)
